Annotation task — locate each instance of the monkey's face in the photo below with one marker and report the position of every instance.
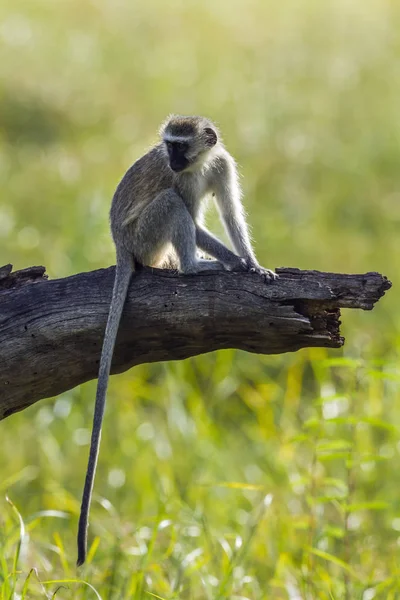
(188, 141)
(177, 154)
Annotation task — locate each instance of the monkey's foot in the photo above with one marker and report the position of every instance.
(268, 275)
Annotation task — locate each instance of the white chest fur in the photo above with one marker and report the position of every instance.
(192, 187)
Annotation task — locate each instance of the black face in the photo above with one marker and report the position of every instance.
(177, 155)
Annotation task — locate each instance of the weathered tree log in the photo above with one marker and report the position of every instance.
(51, 331)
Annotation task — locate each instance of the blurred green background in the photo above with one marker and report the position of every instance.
(228, 475)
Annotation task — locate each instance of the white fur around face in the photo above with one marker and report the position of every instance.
(169, 137)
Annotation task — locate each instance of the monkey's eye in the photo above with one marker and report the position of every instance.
(169, 145)
(181, 147)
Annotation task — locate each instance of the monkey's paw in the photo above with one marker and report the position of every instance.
(266, 274)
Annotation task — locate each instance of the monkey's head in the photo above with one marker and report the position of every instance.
(187, 141)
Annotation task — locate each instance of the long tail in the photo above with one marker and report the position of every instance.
(121, 283)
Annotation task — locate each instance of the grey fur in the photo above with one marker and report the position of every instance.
(156, 208)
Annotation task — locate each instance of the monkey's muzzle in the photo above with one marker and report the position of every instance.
(178, 167)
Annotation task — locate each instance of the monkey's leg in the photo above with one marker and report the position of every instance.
(164, 221)
(212, 245)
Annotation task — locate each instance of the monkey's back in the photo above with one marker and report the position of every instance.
(142, 182)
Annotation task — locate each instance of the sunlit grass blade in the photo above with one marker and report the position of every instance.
(19, 545)
(61, 552)
(242, 549)
(366, 506)
(333, 559)
(238, 485)
(93, 549)
(26, 584)
(76, 581)
(155, 596)
(60, 587)
(25, 474)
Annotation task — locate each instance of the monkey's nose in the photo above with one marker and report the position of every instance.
(177, 167)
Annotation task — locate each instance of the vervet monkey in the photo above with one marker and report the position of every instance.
(157, 206)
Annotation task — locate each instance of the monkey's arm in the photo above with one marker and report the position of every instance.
(228, 197)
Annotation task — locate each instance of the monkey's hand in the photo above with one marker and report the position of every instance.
(253, 267)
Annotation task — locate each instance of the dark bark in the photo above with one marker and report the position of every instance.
(51, 331)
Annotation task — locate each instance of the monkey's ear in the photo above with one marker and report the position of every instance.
(211, 136)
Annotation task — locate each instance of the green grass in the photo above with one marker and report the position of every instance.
(227, 476)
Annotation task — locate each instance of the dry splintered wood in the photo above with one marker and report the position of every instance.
(51, 332)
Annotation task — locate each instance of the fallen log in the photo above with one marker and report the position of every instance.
(51, 331)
